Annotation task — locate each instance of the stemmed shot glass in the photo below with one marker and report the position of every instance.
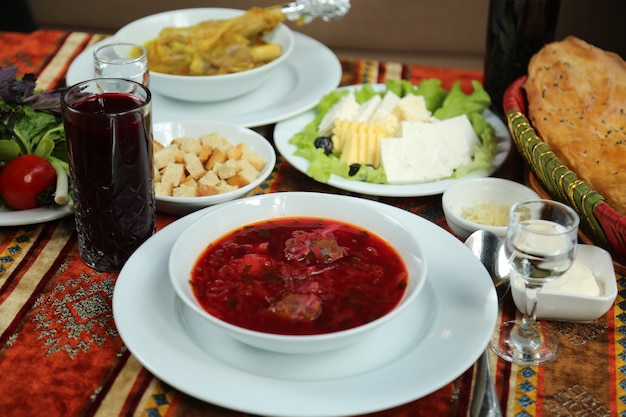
(540, 244)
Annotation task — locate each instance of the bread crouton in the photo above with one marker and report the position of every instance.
(254, 159)
(163, 188)
(174, 173)
(156, 174)
(189, 181)
(217, 157)
(194, 166)
(209, 178)
(225, 187)
(226, 170)
(157, 146)
(206, 190)
(213, 139)
(188, 145)
(246, 173)
(205, 153)
(205, 166)
(164, 156)
(234, 153)
(185, 191)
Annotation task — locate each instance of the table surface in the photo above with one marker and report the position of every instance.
(57, 359)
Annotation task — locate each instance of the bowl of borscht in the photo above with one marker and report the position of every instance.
(297, 272)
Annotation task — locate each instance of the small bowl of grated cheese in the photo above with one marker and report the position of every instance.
(482, 204)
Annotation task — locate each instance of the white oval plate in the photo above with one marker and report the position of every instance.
(285, 129)
(311, 71)
(453, 323)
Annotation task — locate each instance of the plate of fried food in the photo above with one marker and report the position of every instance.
(211, 54)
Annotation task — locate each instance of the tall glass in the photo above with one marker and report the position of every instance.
(122, 60)
(108, 131)
(540, 244)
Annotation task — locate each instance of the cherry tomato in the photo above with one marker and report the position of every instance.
(26, 180)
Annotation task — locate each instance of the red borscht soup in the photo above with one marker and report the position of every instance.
(299, 276)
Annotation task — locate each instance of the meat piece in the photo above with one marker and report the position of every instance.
(321, 244)
(298, 307)
(327, 250)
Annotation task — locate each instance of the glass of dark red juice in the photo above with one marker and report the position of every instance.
(108, 131)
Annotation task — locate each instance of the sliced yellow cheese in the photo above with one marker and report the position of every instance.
(359, 142)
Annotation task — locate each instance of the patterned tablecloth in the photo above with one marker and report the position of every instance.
(61, 355)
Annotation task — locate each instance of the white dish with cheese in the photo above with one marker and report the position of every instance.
(420, 179)
(586, 292)
(482, 204)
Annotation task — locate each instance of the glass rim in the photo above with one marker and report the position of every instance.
(143, 55)
(78, 87)
(570, 212)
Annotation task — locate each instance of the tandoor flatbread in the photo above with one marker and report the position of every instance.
(577, 103)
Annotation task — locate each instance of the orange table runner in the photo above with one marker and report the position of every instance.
(60, 353)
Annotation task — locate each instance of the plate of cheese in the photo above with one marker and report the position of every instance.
(379, 139)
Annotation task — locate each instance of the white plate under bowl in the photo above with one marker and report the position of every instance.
(165, 132)
(563, 306)
(311, 71)
(285, 129)
(407, 360)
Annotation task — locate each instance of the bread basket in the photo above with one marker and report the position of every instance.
(600, 224)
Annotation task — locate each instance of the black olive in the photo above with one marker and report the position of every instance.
(325, 143)
(354, 168)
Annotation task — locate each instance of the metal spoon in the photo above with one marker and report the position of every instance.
(489, 248)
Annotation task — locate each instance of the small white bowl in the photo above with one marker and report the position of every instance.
(208, 88)
(222, 220)
(465, 194)
(564, 305)
(165, 132)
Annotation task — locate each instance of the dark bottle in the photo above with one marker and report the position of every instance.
(516, 30)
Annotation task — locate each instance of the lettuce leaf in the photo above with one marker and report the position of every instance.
(457, 102)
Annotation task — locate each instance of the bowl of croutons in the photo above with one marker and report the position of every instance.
(199, 163)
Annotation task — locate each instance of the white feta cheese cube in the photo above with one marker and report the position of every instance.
(413, 107)
(346, 108)
(428, 151)
(410, 160)
(368, 108)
